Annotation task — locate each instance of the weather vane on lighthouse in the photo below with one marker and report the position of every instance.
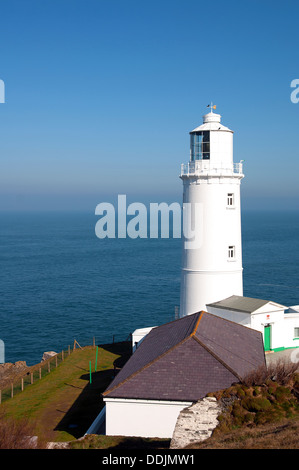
(212, 106)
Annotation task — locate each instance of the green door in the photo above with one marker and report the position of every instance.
(267, 337)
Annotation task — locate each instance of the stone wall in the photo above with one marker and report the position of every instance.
(196, 423)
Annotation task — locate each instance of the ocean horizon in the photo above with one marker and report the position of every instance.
(59, 282)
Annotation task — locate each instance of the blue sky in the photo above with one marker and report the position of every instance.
(101, 96)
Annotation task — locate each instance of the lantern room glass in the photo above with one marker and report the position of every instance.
(200, 145)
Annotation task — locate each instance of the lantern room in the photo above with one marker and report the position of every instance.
(212, 141)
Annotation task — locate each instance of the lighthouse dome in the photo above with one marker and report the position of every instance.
(211, 117)
(211, 122)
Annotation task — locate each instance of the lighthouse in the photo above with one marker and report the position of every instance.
(211, 267)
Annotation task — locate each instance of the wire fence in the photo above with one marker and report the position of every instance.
(34, 374)
(49, 364)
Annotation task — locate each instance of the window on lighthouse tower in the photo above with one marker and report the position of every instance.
(200, 145)
(231, 252)
(230, 199)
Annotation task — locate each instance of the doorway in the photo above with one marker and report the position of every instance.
(267, 337)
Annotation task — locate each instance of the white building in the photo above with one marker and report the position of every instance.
(174, 366)
(278, 323)
(138, 335)
(212, 270)
(220, 335)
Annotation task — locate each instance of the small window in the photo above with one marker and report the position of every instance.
(296, 332)
(230, 200)
(231, 252)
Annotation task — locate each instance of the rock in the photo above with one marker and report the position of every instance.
(9, 367)
(10, 371)
(20, 365)
(196, 423)
(58, 445)
(48, 355)
(5, 367)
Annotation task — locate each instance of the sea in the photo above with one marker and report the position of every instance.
(59, 282)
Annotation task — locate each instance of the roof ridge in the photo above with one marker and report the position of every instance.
(217, 357)
(156, 359)
(198, 321)
(243, 298)
(240, 297)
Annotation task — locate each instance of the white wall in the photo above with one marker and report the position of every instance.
(143, 418)
(208, 275)
(276, 320)
(221, 148)
(282, 324)
(139, 335)
(237, 317)
(291, 322)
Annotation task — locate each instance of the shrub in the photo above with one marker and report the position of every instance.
(255, 377)
(256, 391)
(248, 418)
(256, 404)
(238, 411)
(281, 372)
(17, 434)
(240, 392)
(272, 387)
(281, 393)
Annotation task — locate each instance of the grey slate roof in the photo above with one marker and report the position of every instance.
(240, 304)
(186, 359)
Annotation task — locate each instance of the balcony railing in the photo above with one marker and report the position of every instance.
(205, 167)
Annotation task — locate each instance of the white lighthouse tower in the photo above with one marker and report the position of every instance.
(212, 267)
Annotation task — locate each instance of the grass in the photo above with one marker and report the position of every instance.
(260, 413)
(119, 442)
(280, 435)
(62, 405)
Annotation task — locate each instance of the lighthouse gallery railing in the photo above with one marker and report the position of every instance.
(206, 167)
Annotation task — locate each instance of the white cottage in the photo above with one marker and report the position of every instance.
(174, 366)
(138, 336)
(278, 323)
